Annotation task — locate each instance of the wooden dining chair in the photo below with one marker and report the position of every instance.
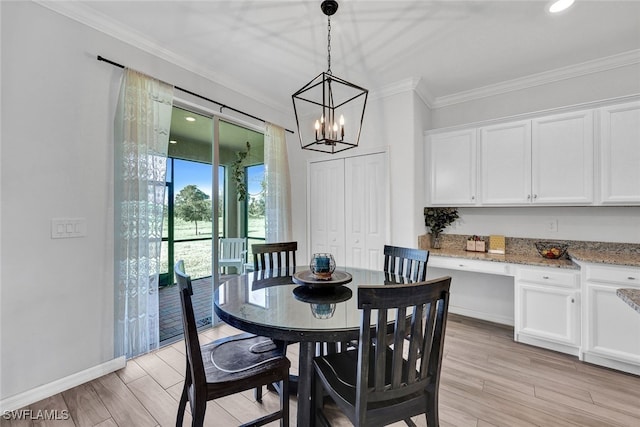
(381, 384)
(271, 256)
(227, 366)
(407, 262)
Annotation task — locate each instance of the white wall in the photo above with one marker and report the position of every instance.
(601, 224)
(609, 224)
(58, 103)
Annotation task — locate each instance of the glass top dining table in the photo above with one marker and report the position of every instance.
(269, 303)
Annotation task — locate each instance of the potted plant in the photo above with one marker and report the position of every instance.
(437, 219)
(237, 173)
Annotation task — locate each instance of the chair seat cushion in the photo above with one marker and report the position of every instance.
(240, 355)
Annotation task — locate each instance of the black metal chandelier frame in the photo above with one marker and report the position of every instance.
(329, 139)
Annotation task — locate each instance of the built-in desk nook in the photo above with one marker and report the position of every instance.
(568, 305)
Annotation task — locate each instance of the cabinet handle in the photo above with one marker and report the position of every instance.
(572, 300)
(460, 265)
(528, 196)
(535, 196)
(545, 277)
(631, 278)
(473, 197)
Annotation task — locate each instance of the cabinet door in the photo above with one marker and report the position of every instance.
(365, 210)
(562, 158)
(620, 153)
(452, 168)
(326, 208)
(548, 313)
(613, 329)
(505, 163)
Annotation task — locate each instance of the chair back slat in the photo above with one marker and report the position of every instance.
(380, 353)
(407, 262)
(271, 256)
(425, 351)
(398, 344)
(415, 344)
(425, 304)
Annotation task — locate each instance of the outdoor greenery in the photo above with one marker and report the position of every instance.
(197, 254)
(193, 205)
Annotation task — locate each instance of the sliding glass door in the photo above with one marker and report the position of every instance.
(196, 195)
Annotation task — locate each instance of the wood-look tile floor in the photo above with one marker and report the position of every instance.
(487, 380)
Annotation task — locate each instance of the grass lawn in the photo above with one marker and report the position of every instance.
(197, 254)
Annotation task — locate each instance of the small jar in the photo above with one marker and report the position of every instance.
(322, 266)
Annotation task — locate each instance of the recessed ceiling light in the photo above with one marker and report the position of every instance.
(173, 141)
(190, 119)
(560, 5)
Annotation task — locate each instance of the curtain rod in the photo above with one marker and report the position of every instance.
(101, 58)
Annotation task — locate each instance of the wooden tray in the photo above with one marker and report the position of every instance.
(306, 278)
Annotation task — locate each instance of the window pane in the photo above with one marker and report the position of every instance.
(193, 213)
(255, 201)
(196, 256)
(221, 206)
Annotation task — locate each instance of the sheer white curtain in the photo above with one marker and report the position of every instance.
(142, 123)
(278, 198)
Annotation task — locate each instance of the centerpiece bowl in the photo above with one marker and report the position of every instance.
(552, 250)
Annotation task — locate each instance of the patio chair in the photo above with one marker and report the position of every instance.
(232, 252)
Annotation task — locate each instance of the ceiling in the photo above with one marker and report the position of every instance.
(447, 50)
(199, 130)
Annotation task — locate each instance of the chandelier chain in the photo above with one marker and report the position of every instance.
(329, 44)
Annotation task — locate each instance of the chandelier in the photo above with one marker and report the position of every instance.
(329, 110)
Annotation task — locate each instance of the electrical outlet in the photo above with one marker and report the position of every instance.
(552, 225)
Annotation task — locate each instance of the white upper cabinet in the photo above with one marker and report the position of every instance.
(576, 158)
(562, 158)
(620, 154)
(505, 163)
(451, 162)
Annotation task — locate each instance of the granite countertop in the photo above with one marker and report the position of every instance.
(523, 251)
(508, 258)
(631, 297)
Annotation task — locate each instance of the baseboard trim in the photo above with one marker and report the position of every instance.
(503, 320)
(36, 394)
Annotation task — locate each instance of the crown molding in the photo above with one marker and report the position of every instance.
(414, 84)
(607, 63)
(89, 17)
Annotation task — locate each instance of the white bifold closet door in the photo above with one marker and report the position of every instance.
(348, 209)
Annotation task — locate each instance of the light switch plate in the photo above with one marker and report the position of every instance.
(67, 228)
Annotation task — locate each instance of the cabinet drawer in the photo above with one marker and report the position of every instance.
(626, 276)
(565, 279)
(463, 264)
